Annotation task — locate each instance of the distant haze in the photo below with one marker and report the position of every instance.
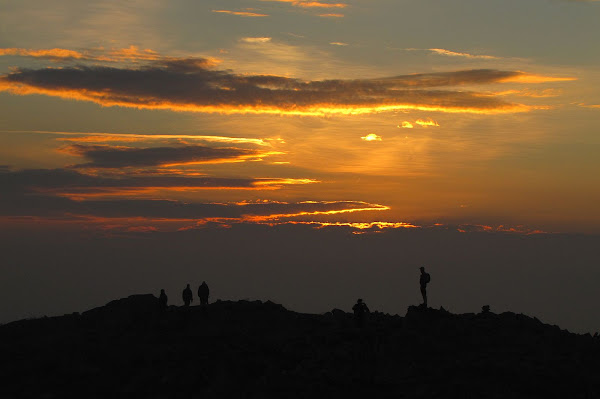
(552, 277)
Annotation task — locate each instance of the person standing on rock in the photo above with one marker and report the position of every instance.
(203, 293)
(162, 300)
(187, 296)
(361, 311)
(423, 281)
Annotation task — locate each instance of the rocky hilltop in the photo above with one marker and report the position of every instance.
(132, 348)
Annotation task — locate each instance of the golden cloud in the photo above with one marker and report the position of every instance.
(426, 123)
(310, 4)
(241, 13)
(255, 39)
(55, 53)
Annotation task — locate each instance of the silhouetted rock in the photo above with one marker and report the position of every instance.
(243, 349)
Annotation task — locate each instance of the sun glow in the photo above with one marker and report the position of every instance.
(371, 137)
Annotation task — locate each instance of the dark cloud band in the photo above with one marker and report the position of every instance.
(190, 84)
(104, 156)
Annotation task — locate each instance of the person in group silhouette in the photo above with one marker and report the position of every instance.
(163, 299)
(203, 293)
(423, 281)
(187, 295)
(360, 312)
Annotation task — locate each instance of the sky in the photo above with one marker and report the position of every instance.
(355, 125)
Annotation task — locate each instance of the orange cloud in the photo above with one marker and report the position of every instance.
(256, 39)
(273, 217)
(241, 13)
(426, 123)
(331, 16)
(127, 137)
(406, 125)
(545, 93)
(523, 77)
(134, 53)
(55, 53)
(280, 182)
(592, 106)
(361, 225)
(128, 54)
(310, 4)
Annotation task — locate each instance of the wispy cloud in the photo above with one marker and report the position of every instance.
(338, 44)
(406, 125)
(593, 106)
(544, 93)
(52, 54)
(310, 4)
(255, 39)
(241, 13)
(426, 123)
(68, 194)
(71, 183)
(102, 137)
(450, 53)
(131, 54)
(115, 137)
(193, 85)
(331, 15)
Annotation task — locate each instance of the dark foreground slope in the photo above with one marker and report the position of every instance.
(129, 348)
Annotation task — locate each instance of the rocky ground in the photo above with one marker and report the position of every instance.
(130, 348)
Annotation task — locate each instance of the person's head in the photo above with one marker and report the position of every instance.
(162, 291)
(359, 300)
(204, 282)
(422, 269)
(188, 286)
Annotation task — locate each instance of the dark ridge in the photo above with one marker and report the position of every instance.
(251, 349)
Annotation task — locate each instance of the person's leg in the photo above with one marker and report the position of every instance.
(424, 294)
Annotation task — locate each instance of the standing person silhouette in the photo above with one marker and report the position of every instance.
(361, 312)
(187, 295)
(163, 299)
(423, 281)
(203, 293)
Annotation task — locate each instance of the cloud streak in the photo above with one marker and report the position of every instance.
(41, 193)
(105, 156)
(193, 85)
(310, 4)
(241, 13)
(449, 53)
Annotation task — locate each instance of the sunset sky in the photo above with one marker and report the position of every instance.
(162, 117)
